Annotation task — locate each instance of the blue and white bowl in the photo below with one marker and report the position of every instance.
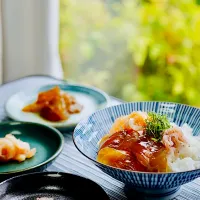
(152, 185)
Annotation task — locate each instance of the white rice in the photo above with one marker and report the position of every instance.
(189, 155)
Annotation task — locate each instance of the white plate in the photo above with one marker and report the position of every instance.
(91, 98)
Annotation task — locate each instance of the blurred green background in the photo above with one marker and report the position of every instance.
(134, 50)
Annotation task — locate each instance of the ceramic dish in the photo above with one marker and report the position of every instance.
(47, 141)
(51, 186)
(150, 185)
(92, 99)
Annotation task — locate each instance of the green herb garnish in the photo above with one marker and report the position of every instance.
(155, 125)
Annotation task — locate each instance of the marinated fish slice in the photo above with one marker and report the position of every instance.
(12, 148)
(134, 121)
(21, 147)
(137, 120)
(7, 150)
(119, 158)
(121, 140)
(118, 125)
(109, 155)
(55, 111)
(23, 150)
(34, 107)
(151, 154)
(48, 95)
(43, 100)
(158, 161)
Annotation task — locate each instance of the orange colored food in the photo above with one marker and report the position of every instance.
(142, 141)
(12, 148)
(125, 150)
(54, 105)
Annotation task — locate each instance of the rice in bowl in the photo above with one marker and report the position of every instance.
(188, 157)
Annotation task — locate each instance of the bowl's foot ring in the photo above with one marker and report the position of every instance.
(153, 194)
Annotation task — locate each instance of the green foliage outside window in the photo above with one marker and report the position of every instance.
(134, 50)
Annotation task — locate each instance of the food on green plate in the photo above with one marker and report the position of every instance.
(12, 148)
(149, 142)
(54, 105)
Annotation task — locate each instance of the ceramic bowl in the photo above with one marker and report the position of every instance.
(150, 185)
(48, 142)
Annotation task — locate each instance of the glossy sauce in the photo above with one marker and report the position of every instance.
(141, 152)
(54, 105)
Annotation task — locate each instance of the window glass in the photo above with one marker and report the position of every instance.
(134, 50)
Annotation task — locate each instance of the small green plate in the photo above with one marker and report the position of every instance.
(48, 142)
